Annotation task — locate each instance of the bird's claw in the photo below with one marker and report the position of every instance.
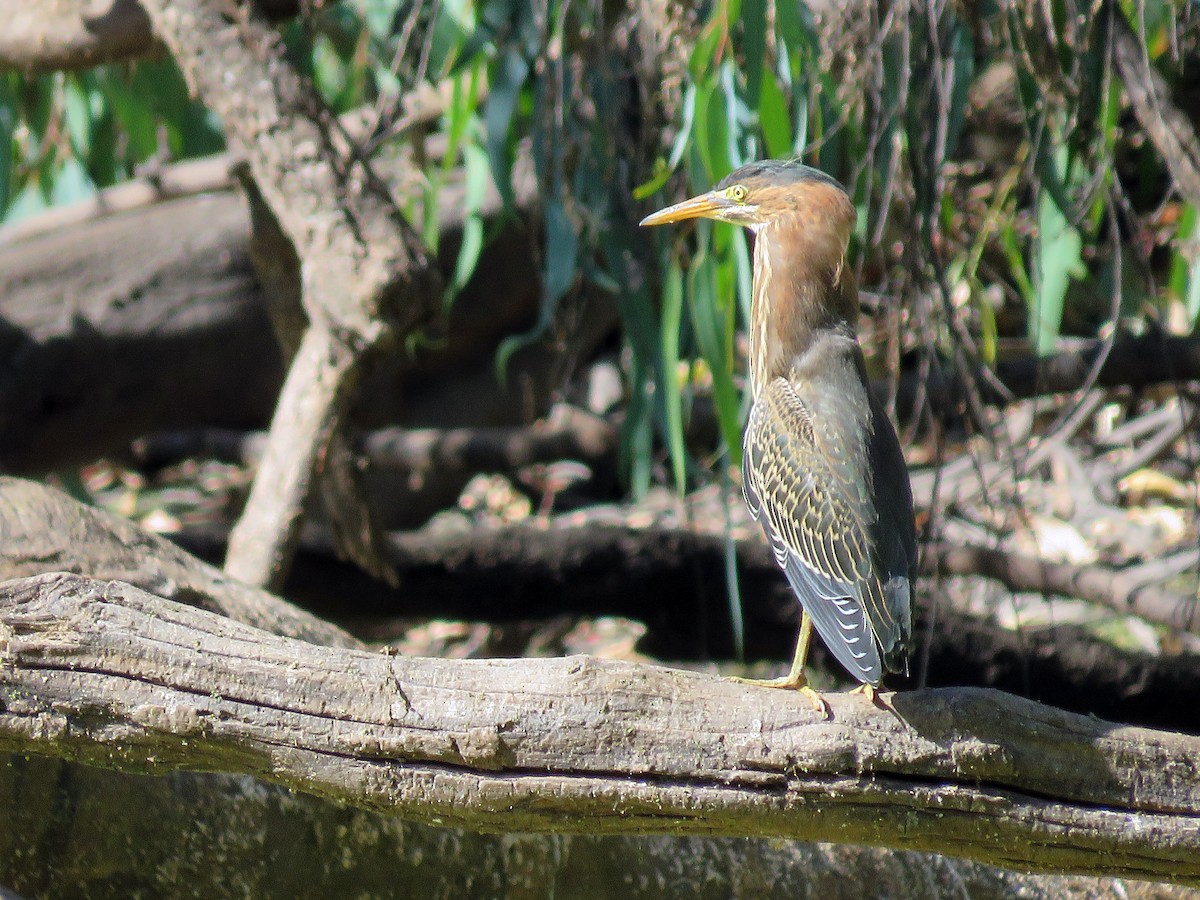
(791, 683)
(874, 697)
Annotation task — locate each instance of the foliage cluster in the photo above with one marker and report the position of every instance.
(1005, 193)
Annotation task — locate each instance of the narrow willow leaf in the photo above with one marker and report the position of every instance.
(702, 143)
(508, 77)
(774, 118)
(737, 118)
(672, 315)
(1059, 258)
(77, 115)
(678, 148)
(1185, 266)
(708, 322)
(7, 125)
(754, 46)
(733, 590)
(558, 274)
(476, 165)
(72, 184)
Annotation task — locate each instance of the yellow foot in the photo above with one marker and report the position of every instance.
(792, 683)
(868, 691)
(872, 694)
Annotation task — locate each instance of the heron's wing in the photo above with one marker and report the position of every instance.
(895, 536)
(812, 496)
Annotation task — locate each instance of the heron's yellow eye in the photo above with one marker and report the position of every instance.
(738, 192)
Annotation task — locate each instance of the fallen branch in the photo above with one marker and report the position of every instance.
(1127, 591)
(42, 530)
(106, 673)
(1136, 362)
(567, 433)
(668, 578)
(112, 327)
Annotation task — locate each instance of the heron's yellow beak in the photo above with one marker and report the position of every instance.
(706, 206)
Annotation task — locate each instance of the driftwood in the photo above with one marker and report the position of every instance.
(107, 674)
(153, 319)
(42, 529)
(668, 578)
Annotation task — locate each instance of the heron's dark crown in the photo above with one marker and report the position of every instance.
(777, 173)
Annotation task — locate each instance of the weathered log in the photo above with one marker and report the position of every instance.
(42, 529)
(107, 674)
(672, 579)
(153, 319)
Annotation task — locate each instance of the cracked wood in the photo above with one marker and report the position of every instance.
(107, 674)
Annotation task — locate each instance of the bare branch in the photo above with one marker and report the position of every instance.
(44, 35)
(567, 433)
(1127, 591)
(49, 35)
(1150, 97)
(357, 269)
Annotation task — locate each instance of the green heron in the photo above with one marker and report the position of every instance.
(822, 469)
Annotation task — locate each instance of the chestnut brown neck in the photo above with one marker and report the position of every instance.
(803, 287)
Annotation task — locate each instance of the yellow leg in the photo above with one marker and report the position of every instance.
(795, 679)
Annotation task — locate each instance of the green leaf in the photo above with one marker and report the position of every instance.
(7, 125)
(704, 55)
(1059, 259)
(774, 119)
(1185, 266)
(702, 144)
(77, 116)
(754, 46)
(658, 177)
(733, 588)
(663, 172)
(672, 314)
(737, 118)
(476, 166)
(461, 113)
(137, 118)
(562, 245)
(508, 77)
(378, 16)
(710, 325)
(71, 184)
(638, 437)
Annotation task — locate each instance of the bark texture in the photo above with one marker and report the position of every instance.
(363, 278)
(107, 674)
(43, 530)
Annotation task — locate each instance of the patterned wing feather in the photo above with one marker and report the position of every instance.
(809, 494)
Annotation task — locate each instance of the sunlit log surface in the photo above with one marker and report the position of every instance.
(106, 674)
